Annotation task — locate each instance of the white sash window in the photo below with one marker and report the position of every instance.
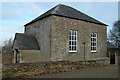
(93, 42)
(72, 41)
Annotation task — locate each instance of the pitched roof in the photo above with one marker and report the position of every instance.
(26, 42)
(69, 12)
(110, 45)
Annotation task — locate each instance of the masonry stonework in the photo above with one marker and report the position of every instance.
(36, 69)
(60, 39)
(53, 38)
(6, 58)
(30, 56)
(49, 33)
(41, 29)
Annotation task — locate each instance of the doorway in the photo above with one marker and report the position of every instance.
(17, 56)
(112, 59)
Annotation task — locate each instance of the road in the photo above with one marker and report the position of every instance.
(110, 71)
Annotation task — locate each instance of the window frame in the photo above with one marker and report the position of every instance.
(92, 42)
(72, 41)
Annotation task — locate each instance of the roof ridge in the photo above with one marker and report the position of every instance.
(69, 12)
(55, 9)
(80, 12)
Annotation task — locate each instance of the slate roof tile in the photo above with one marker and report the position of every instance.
(26, 41)
(110, 45)
(67, 11)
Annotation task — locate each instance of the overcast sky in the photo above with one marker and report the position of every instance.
(16, 14)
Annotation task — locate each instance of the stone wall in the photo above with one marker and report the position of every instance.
(114, 51)
(41, 29)
(0, 58)
(111, 51)
(32, 69)
(52, 34)
(117, 60)
(7, 58)
(60, 39)
(30, 56)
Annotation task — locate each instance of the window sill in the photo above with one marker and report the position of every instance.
(93, 51)
(72, 51)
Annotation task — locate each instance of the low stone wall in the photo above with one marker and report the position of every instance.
(7, 58)
(31, 56)
(0, 58)
(118, 60)
(32, 69)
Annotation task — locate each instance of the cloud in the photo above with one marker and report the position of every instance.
(11, 14)
(8, 32)
(15, 13)
(19, 9)
(31, 8)
(9, 11)
(102, 11)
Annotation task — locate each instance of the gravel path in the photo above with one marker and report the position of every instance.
(110, 71)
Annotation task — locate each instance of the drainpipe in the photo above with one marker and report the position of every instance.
(84, 50)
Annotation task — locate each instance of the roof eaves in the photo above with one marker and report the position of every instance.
(37, 20)
(66, 17)
(81, 19)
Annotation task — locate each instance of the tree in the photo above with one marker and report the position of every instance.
(7, 48)
(114, 35)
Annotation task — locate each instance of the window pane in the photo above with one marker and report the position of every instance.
(94, 44)
(70, 48)
(73, 37)
(73, 43)
(91, 44)
(70, 38)
(94, 48)
(72, 32)
(94, 39)
(75, 32)
(70, 43)
(91, 48)
(94, 35)
(69, 32)
(74, 48)
(91, 39)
